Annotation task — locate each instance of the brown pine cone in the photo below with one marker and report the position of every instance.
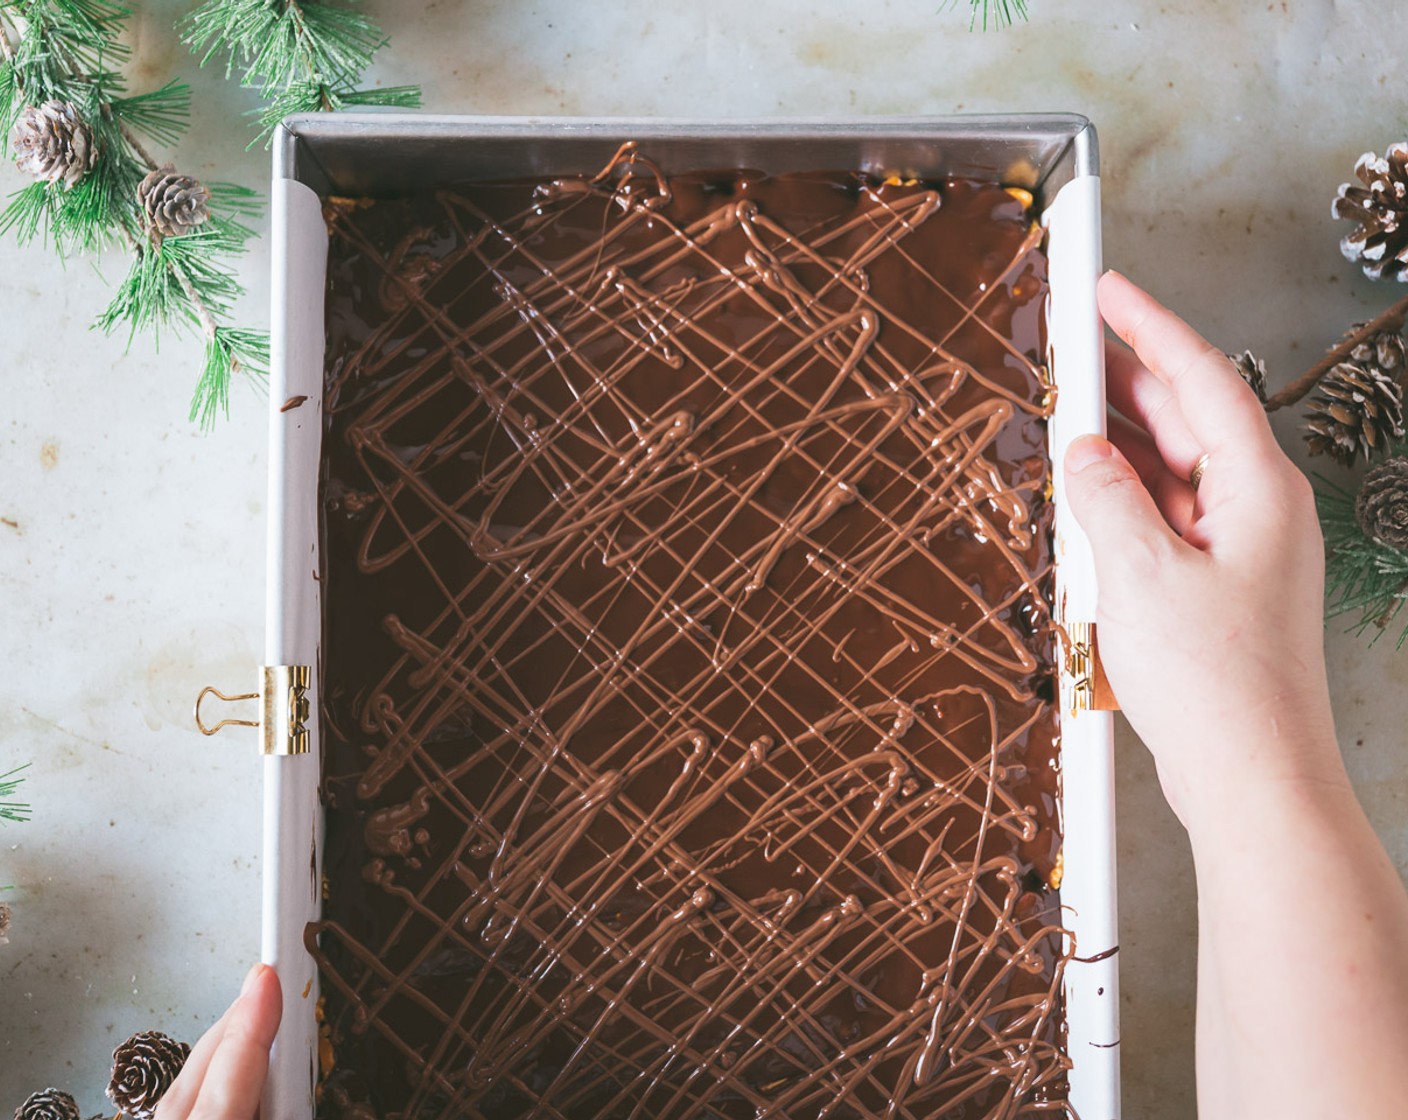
(48, 1104)
(1382, 505)
(1380, 206)
(5, 917)
(143, 1068)
(1358, 407)
(52, 142)
(173, 203)
(1253, 371)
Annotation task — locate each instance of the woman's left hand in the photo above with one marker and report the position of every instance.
(223, 1078)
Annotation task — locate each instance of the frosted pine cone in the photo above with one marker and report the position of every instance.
(53, 143)
(143, 1068)
(1382, 505)
(48, 1104)
(1358, 407)
(173, 203)
(1385, 350)
(1253, 371)
(1380, 206)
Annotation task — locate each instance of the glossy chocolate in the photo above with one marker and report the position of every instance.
(687, 713)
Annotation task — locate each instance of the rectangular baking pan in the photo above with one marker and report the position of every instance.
(389, 154)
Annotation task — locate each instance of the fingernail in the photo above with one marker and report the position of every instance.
(1086, 451)
(249, 979)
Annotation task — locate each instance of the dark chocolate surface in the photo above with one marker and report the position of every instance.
(690, 745)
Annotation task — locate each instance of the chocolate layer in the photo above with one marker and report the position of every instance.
(687, 711)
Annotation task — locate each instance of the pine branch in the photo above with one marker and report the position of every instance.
(175, 281)
(12, 810)
(64, 46)
(276, 43)
(994, 13)
(1390, 320)
(59, 50)
(227, 352)
(310, 97)
(162, 115)
(301, 55)
(28, 214)
(91, 214)
(1363, 577)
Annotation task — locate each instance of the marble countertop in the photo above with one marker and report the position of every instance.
(131, 545)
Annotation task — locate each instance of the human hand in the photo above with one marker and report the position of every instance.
(1210, 602)
(224, 1075)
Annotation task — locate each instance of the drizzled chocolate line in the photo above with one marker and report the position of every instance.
(689, 744)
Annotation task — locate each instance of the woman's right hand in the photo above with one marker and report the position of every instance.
(1210, 603)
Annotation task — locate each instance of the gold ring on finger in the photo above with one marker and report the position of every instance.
(1196, 476)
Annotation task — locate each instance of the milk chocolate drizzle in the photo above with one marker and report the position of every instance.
(689, 740)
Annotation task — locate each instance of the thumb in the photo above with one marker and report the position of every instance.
(1113, 507)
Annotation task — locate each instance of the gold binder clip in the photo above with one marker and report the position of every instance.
(1082, 672)
(283, 709)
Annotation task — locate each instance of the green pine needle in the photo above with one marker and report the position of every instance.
(68, 50)
(98, 212)
(311, 97)
(398, 97)
(235, 201)
(276, 44)
(303, 56)
(235, 27)
(29, 213)
(67, 45)
(338, 42)
(152, 295)
(12, 810)
(161, 115)
(300, 54)
(1363, 577)
(84, 21)
(230, 349)
(994, 13)
(11, 103)
(93, 214)
(149, 297)
(196, 256)
(297, 97)
(90, 215)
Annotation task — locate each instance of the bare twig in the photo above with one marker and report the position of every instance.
(131, 138)
(207, 320)
(1390, 320)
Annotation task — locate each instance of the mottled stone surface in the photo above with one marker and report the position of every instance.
(131, 547)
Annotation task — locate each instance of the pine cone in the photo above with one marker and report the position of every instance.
(173, 203)
(5, 917)
(1386, 350)
(1382, 505)
(143, 1068)
(52, 142)
(1358, 408)
(48, 1104)
(1253, 371)
(1380, 206)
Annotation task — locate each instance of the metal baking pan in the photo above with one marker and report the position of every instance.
(386, 154)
